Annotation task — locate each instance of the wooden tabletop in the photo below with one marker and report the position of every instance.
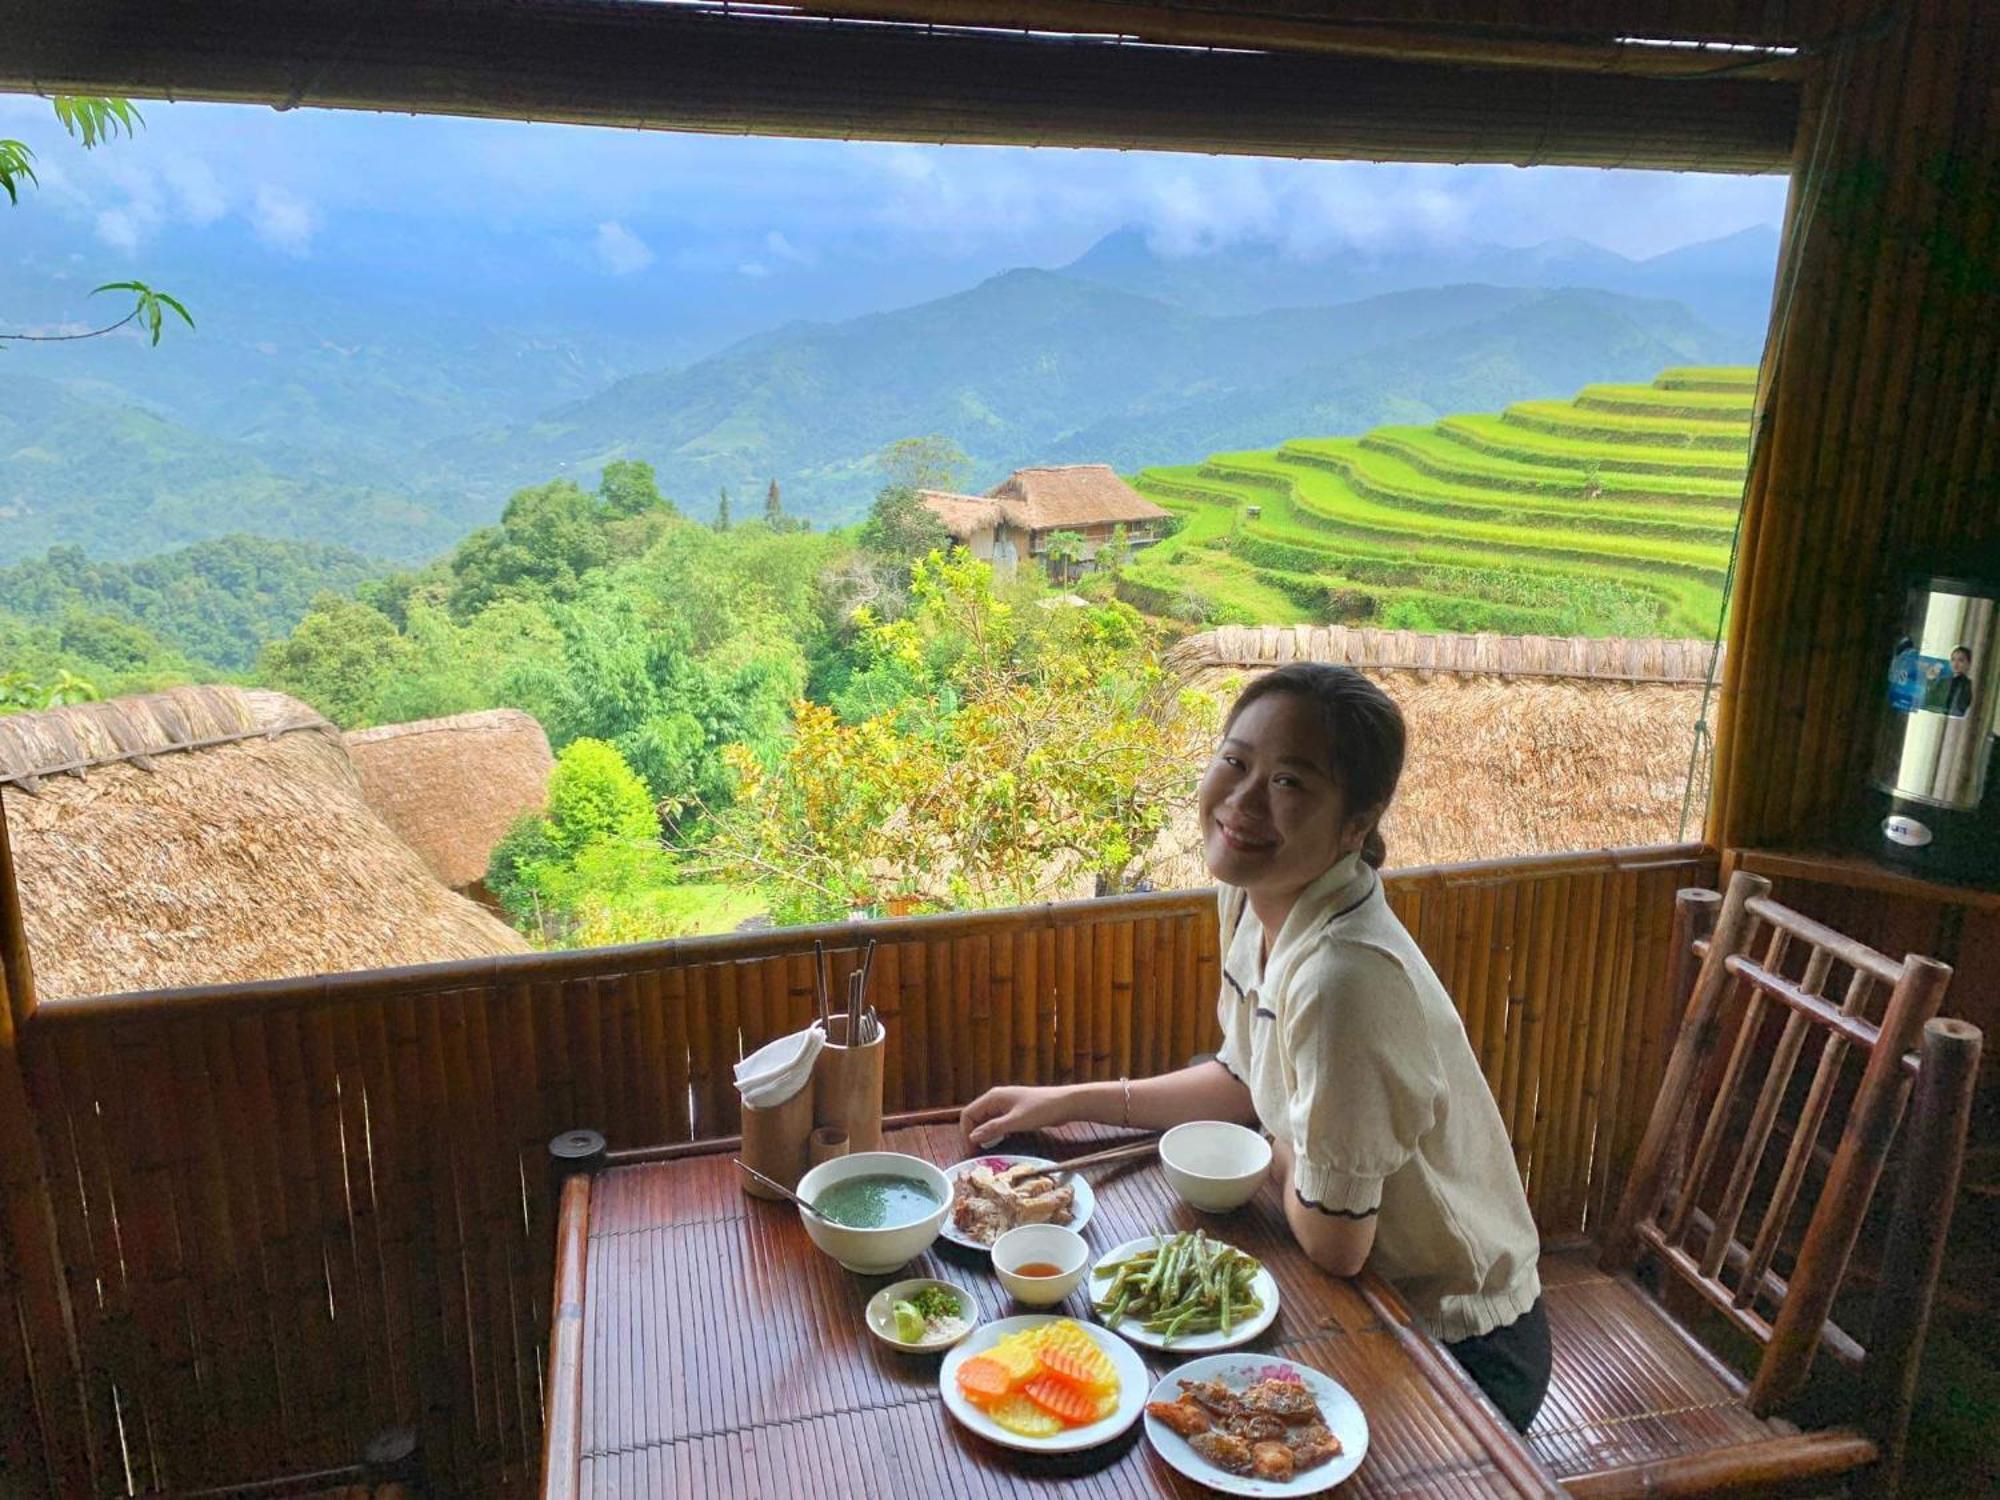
(703, 1346)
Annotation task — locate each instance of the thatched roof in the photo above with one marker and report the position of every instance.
(1047, 499)
(962, 515)
(1599, 658)
(220, 835)
(1504, 765)
(451, 787)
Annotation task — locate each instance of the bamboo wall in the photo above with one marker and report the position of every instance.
(288, 1214)
(1880, 431)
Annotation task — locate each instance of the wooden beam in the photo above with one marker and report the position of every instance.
(676, 67)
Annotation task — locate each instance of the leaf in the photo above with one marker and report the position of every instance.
(92, 119)
(147, 305)
(15, 160)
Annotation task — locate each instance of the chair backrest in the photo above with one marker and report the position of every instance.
(1716, 1217)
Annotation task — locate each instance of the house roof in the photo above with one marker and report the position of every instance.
(210, 835)
(1050, 498)
(962, 514)
(452, 787)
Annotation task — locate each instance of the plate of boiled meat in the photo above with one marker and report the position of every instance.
(1248, 1424)
(993, 1194)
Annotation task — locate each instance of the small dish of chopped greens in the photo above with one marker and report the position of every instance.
(921, 1316)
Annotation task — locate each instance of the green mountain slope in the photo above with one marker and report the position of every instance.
(1033, 366)
(125, 482)
(217, 601)
(1607, 515)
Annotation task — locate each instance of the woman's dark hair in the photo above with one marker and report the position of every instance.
(1364, 731)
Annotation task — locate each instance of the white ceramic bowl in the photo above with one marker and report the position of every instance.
(1215, 1165)
(874, 1252)
(1032, 1244)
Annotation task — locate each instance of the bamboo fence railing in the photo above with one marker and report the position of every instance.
(285, 1215)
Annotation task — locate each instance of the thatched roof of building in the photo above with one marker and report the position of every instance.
(451, 787)
(1526, 760)
(211, 835)
(1050, 498)
(962, 515)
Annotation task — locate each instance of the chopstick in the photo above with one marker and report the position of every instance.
(1099, 1158)
(821, 998)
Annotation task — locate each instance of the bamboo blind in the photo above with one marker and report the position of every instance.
(289, 1214)
(1880, 425)
(756, 71)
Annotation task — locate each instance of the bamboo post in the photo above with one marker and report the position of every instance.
(51, 1381)
(562, 1444)
(1696, 1039)
(1947, 1079)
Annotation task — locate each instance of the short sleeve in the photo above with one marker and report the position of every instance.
(1366, 1076)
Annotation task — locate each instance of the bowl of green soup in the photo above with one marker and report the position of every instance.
(877, 1210)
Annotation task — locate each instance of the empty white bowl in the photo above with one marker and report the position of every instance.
(874, 1252)
(1215, 1165)
(1040, 1244)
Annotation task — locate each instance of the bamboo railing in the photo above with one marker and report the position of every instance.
(285, 1215)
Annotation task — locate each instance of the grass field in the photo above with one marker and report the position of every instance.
(1610, 514)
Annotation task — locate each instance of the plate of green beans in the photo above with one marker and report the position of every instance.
(1187, 1292)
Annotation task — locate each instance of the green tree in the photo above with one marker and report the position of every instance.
(774, 507)
(549, 537)
(900, 528)
(922, 463)
(1064, 551)
(1034, 747)
(339, 659)
(628, 487)
(722, 511)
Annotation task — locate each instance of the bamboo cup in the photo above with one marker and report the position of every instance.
(847, 1087)
(826, 1143)
(775, 1141)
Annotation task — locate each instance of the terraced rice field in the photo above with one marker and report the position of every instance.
(1609, 514)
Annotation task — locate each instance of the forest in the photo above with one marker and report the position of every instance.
(750, 717)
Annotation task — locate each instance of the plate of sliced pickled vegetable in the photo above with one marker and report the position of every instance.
(1188, 1292)
(1044, 1384)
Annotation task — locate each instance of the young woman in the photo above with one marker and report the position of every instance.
(1338, 1038)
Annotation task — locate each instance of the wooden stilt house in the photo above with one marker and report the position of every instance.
(243, 1228)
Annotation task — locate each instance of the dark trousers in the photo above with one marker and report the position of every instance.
(1511, 1364)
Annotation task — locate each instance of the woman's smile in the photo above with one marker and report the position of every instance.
(1244, 840)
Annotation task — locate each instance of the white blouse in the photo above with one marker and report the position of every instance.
(1354, 1053)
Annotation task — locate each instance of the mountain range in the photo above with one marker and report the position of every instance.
(393, 417)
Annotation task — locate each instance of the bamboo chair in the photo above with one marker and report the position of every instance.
(1638, 1403)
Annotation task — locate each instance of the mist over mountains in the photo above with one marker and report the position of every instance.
(394, 414)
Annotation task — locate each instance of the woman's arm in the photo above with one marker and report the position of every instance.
(1333, 1242)
(1206, 1091)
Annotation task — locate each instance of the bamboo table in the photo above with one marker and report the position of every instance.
(703, 1346)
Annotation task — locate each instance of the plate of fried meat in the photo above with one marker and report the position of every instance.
(993, 1194)
(1248, 1424)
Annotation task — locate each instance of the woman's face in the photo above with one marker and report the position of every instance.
(1273, 818)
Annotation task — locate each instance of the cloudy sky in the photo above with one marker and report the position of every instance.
(619, 203)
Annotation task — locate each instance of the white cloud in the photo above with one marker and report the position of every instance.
(620, 250)
(755, 270)
(784, 249)
(283, 220)
(198, 194)
(121, 228)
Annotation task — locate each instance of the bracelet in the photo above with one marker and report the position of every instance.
(1126, 1084)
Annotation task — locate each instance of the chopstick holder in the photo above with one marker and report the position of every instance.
(847, 1085)
(775, 1141)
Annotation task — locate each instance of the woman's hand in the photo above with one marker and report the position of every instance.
(1013, 1109)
